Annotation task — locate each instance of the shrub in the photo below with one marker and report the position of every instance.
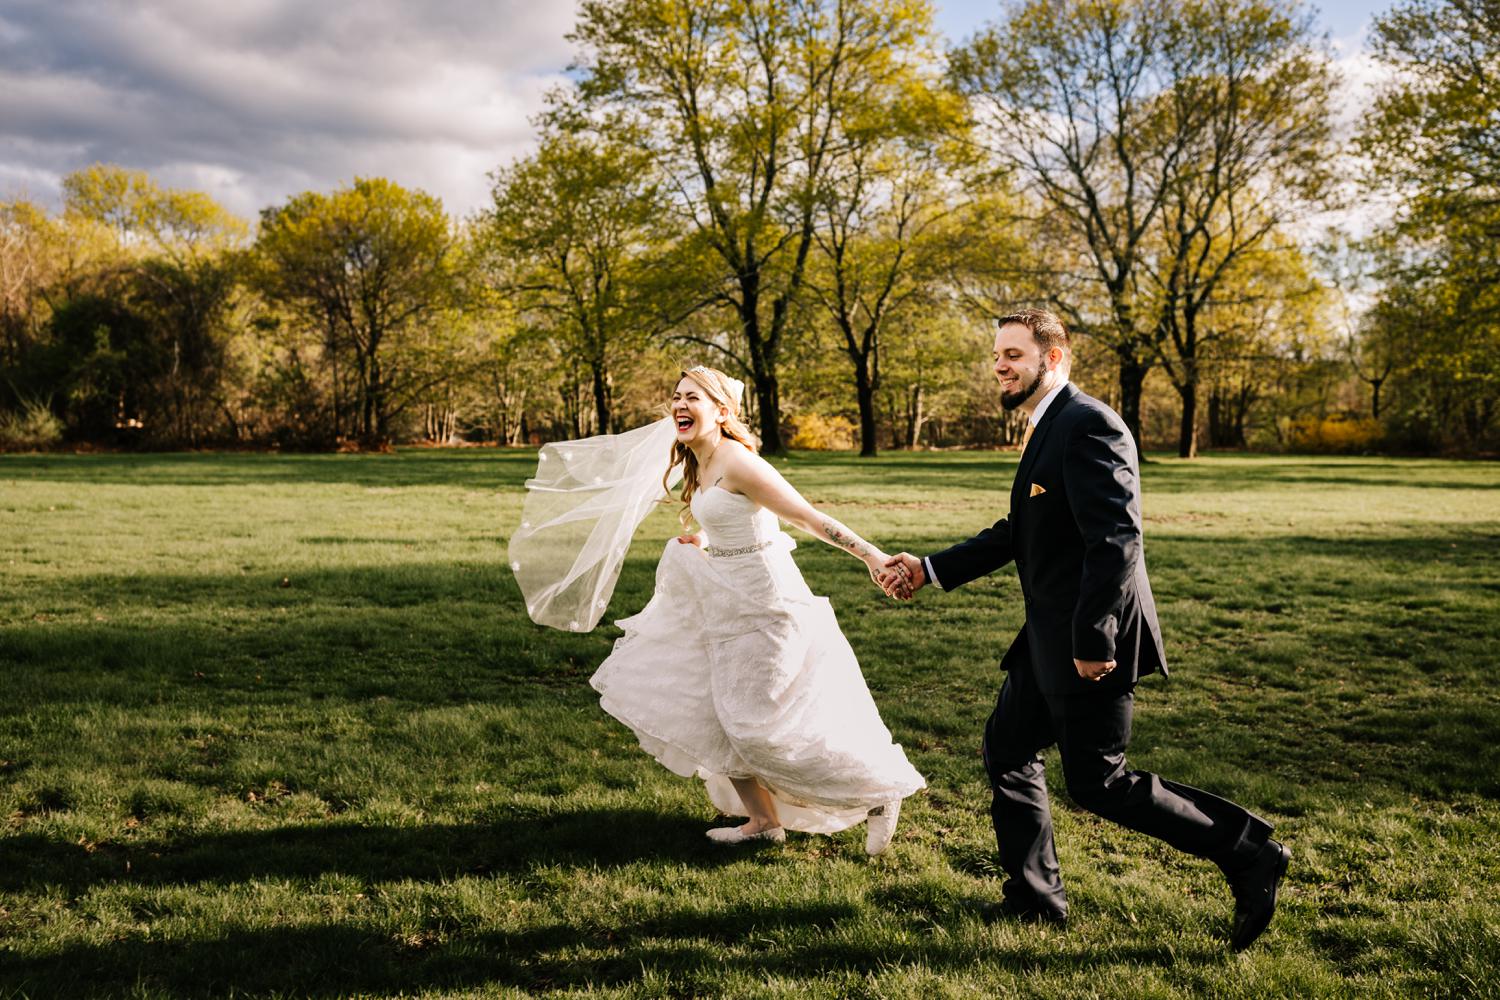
(33, 427)
(1342, 435)
(815, 432)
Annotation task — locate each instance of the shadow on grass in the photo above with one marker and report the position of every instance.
(431, 633)
(593, 838)
(436, 634)
(687, 945)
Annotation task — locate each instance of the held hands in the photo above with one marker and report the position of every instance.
(691, 539)
(900, 576)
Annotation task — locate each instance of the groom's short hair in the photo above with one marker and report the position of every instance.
(1044, 325)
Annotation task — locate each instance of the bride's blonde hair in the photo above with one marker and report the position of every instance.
(716, 385)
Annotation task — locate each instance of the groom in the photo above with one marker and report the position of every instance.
(1074, 532)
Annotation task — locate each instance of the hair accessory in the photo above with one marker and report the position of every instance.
(736, 387)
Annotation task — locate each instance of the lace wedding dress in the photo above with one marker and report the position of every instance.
(735, 669)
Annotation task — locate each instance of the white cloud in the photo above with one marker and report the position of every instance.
(256, 100)
(1361, 79)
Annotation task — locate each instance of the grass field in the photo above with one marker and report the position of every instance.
(278, 726)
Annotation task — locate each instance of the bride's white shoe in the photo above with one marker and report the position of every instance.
(734, 835)
(880, 827)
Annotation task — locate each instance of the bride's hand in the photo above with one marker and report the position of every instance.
(893, 577)
(690, 539)
(875, 563)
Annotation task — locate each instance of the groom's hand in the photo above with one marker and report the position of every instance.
(903, 576)
(1093, 670)
(892, 584)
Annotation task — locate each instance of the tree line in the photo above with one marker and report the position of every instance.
(815, 196)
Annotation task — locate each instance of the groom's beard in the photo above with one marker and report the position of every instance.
(1011, 400)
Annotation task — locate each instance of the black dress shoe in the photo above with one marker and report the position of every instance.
(1009, 909)
(1254, 890)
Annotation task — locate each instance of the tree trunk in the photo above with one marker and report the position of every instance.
(914, 417)
(338, 392)
(1242, 400)
(768, 402)
(374, 405)
(865, 389)
(1187, 438)
(515, 432)
(364, 423)
(763, 368)
(1132, 377)
(1220, 426)
(572, 410)
(603, 386)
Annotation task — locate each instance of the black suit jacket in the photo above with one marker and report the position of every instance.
(1074, 531)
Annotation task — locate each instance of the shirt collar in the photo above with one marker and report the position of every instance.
(1041, 408)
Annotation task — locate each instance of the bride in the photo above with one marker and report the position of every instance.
(734, 671)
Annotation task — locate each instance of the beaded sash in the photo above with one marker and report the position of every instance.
(740, 550)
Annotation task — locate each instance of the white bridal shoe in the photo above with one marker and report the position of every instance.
(732, 835)
(880, 827)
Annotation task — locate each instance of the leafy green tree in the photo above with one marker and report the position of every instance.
(46, 262)
(1431, 134)
(118, 310)
(575, 223)
(1069, 95)
(28, 266)
(370, 265)
(935, 367)
(885, 194)
(1266, 339)
(179, 279)
(148, 218)
(1432, 138)
(1255, 106)
(1144, 132)
(738, 104)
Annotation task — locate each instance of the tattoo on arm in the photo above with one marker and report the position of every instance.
(844, 538)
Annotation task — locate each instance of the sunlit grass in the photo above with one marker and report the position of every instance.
(279, 726)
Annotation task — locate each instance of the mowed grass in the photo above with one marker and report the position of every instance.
(278, 726)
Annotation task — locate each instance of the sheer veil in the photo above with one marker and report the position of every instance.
(581, 510)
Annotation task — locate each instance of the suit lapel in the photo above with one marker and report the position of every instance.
(1039, 438)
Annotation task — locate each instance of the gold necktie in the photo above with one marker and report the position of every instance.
(1027, 436)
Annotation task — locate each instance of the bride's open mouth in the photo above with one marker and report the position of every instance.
(683, 423)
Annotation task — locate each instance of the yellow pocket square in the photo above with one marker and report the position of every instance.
(1036, 490)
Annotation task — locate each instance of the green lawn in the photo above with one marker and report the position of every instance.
(277, 726)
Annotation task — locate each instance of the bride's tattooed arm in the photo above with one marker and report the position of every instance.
(840, 535)
(760, 481)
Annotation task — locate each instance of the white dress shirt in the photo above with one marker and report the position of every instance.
(1036, 418)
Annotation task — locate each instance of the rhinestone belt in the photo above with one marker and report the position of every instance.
(719, 553)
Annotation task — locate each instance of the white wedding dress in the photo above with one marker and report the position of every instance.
(735, 669)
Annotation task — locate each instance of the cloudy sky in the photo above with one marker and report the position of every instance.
(256, 100)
